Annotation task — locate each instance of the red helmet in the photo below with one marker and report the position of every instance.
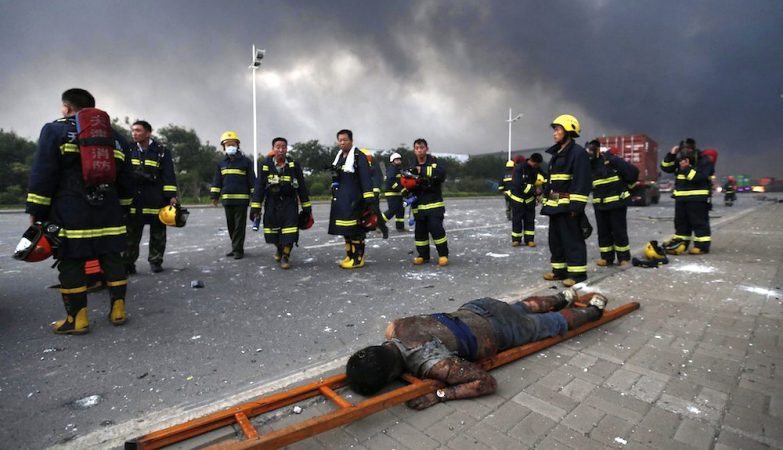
(408, 182)
(38, 242)
(369, 220)
(712, 154)
(730, 178)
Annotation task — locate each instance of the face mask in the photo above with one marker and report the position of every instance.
(230, 151)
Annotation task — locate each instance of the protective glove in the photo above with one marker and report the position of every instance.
(254, 212)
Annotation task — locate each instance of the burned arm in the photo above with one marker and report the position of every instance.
(459, 379)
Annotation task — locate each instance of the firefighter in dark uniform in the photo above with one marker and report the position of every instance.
(692, 190)
(523, 200)
(565, 197)
(351, 194)
(612, 177)
(88, 229)
(280, 189)
(232, 185)
(376, 174)
(394, 192)
(428, 208)
(156, 187)
(504, 187)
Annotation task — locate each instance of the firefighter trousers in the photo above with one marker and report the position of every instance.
(569, 252)
(236, 221)
(613, 234)
(692, 218)
(430, 225)
(396, 210)
(157, 245)
(73, 280)
(523, 222)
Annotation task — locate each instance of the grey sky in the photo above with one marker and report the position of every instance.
(394, 71)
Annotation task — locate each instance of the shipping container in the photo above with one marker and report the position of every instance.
(641, 151)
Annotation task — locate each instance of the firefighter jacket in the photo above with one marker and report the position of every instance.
(57, 194)
(376, 173)
(428, 190)
(393, 188)
(523, 180)
(505, 183)
(154, 178)
(280, 191)
(612, 178)
(569, 180)
(694, 183)
(729, 188)
(352, 190)
(234, 181)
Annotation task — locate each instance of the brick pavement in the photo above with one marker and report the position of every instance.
(695, 368)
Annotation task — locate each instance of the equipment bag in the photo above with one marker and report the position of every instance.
(96, 146)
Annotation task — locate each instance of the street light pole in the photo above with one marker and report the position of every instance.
(258, 55)
(510, 121)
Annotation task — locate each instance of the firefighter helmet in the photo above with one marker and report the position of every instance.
(675, 246)
(569, 123)
(368, 220)
(509, 164)
(305, 220)
(394, 156)
(180, 216)
(539, 180)
(38, 242)
(653, 251)
(168, 215)
(227, 136)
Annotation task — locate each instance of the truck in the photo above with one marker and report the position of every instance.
(641, 151)
(743, 182)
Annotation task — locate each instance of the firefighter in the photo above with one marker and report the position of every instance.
(565, 198)
(376, 176)
(523, 197)
(280, 189)
(730, 191)
(351, 195)
(394, 192)
(612, 177)
(504, 187)
(232, 185)
(692, 190)
(428, 208)
(89, 229)
(155, 187)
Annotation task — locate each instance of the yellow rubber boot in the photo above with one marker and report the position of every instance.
(443, 261)
(417, 261)
(284, 264)
(78, 324)
(117, 314)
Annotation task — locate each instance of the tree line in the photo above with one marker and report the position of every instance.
(195, 161)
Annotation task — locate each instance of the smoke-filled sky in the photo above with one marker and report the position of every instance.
(394, 71)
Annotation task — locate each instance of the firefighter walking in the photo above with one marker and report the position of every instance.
(612, 177)
(428, 208)
(232, 185)
(351, 195)
(393, 192)
(566, 195)
(155, 187)
(522, 195)
(89, 218)
(692, 189)
(280, 189)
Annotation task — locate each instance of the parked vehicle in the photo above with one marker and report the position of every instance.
(641, 151)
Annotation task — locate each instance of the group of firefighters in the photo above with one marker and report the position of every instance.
(144, 191)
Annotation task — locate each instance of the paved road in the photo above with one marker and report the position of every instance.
(252, 325)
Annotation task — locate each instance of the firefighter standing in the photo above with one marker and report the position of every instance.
(523, 200)
(88, 229)
(730, 191)
(376, 176)
(428, 208)
(394, 192)
(504, 187)
(565, 198)
(155, 187)
(351, 195)
(280, 189)
(612, 177)
(232, 185)
(692, 190)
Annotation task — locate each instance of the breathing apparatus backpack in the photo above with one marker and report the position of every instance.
(95, 138)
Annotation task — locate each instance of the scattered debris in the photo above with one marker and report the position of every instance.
(197, 284)
(87, 402)
(620, 440)
(497, 255)
(297, 410)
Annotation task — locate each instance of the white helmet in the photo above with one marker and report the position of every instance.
(394, 156)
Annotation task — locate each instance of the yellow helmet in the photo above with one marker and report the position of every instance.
(168, 215)
(539, 180)
(675, 247)
(569, 123)
(228, 135)
(509, 164)
(653, 251)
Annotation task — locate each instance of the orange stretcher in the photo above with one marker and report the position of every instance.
(345, 413)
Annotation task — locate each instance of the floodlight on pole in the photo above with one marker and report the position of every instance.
(255, 64)
(510, 121)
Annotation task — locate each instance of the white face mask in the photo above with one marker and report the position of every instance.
(231, 150)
